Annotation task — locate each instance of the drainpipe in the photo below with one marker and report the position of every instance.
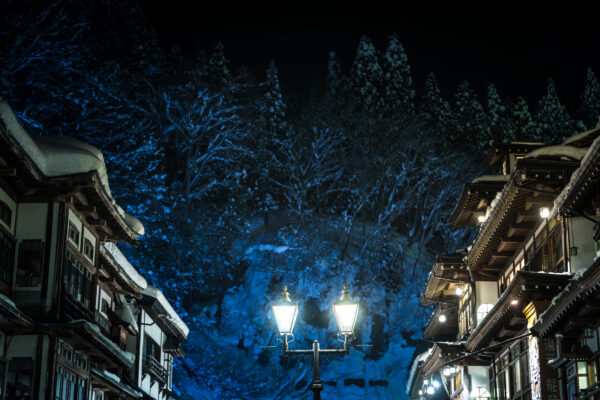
(566, 239)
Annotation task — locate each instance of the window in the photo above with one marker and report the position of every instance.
(80, 360)
(5, 213)
(73, 234)
(105, 306)
(151, 348)
(77, 280)
(482, 311)
(6, 258)
(512, 371)
(98, 396)
(69, 386)
(88, 250)
(30, 264)
(19, 380)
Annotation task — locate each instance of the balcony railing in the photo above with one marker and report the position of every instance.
(153, 367)
(591, 392)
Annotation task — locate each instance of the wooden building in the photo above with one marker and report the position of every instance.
(75, 316)
(516, 314)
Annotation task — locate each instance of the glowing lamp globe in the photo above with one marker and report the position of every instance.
(345, 311)
(285, 313)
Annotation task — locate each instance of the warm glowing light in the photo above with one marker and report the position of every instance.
(481, 219)
(345, 311)
(442, 318)
(544, 212)
(420, 393)
(436, 384)
(285, 313)
(430, 390)
(426, 382)
(514, 302)
(448, 371)
(459, 291)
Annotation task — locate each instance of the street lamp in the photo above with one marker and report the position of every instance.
(345, 310)
(285, 313)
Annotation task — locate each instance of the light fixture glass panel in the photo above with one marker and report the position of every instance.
(285, 313)
(345, 311)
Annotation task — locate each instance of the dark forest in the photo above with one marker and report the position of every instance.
(243, 189)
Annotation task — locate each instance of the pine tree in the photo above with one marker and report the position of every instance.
(272, 107)
(273, 142)
(218, 70)
(367, 77)
(521, 125)
(471, 121)
(497, 115)
(435, 107)
(334, 74)
(398, 86)
(552, 118)
(589, 107)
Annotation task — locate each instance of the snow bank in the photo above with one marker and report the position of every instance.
(267, 247)
(574, 153)
(580, 136)
(125, 265)
(63, 155)
(491, 178)
(171, 314)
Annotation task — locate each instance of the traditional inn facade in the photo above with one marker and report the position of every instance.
(517, 313)
(77, 321)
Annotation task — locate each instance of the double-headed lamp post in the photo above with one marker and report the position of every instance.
(286, 311)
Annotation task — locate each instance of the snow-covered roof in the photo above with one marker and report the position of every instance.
(58, 156)
(173, 317)
(571, 152)
(491, 178)
(415, 367)
(580, 136)
(125, 265)
(576, 176)
(114, 379)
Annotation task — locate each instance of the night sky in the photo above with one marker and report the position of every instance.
(515, 47)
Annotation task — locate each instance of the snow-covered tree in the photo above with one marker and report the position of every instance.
(521, 125)
(218, 70)
(497, 113)
(470, 118)
(434, 106)
(367, 77)
(398, 89)
(552, 118)
(589, 100)
(335, 79)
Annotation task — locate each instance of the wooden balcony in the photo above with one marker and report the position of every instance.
(153, 367)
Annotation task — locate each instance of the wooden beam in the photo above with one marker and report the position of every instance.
(8, 172)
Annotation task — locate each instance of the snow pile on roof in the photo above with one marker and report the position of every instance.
(8, 301)
(117, 381)
(63, 155)
(580, 136)
(171, 314)
(130, 357)
(125, 265)
(415, 366)
(576, 175)
(569, 152)
(491, 178)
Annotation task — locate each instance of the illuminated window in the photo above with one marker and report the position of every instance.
(482, 311)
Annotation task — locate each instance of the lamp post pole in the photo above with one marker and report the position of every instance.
(316, 386)
(286, 311)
